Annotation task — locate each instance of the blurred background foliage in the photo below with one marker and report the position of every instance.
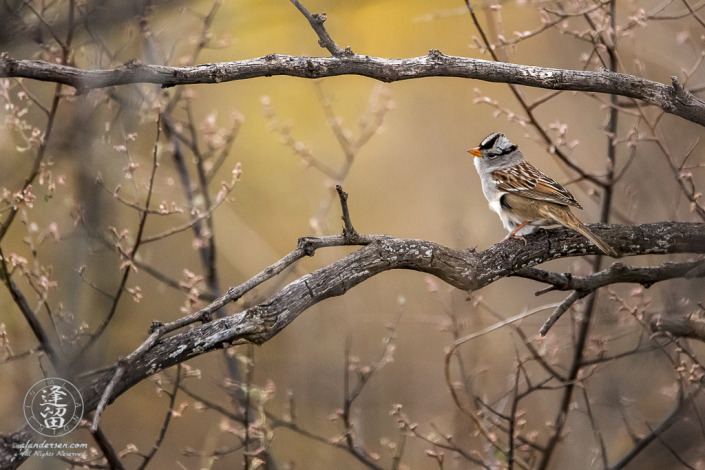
(411, 178)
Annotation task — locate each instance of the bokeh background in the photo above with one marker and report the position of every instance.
(412, 178)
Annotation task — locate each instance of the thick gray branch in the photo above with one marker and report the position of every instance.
(671, 98)
(689, 326)
(616, 273)
(465, 269)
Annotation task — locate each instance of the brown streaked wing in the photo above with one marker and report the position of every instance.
(531, 182)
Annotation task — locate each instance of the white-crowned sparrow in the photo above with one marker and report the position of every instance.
(522, 195)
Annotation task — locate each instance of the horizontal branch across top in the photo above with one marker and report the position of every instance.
(671, 98)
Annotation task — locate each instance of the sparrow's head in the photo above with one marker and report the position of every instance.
(493, 146)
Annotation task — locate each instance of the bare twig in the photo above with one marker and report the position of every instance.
(693, 13)
(29, 314)
(109, 389)
(561, 309)
(167, 419)
(644, 441)
(316, 21)
(616, 273)
(349, 231)
(108, 451)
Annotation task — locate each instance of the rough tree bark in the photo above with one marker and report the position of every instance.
(673, 99)
(465, 269)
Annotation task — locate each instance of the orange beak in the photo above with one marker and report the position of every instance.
(476, 152)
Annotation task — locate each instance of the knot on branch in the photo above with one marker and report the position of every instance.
(319, 18)
(679, 93)
(7, 64)
(618, 268)
(312, 68)
(307, 245)
(156, 324)
(436, 56)
(217, 74)
(132, 64)
(260, 321)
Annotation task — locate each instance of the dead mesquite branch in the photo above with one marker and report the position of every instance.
(616, 273)
(670, 98)
(464, 269)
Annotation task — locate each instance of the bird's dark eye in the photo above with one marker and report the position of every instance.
(497, 144)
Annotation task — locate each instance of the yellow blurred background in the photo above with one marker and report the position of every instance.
(412, 179)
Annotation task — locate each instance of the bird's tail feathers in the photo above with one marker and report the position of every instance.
(579, 227)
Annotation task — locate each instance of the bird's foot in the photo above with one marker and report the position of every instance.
(514, 235)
